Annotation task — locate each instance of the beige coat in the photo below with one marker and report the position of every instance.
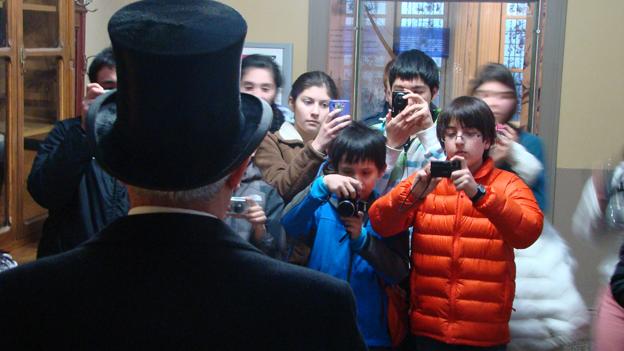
(286, 162)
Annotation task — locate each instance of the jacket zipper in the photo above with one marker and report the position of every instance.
(350, 267)
(458, 214)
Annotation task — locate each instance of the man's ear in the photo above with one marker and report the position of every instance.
(237, 175)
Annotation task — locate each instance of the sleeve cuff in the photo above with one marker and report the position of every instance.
(319, 190)
(358, 244)
(392, 155)
(315, 152)
(429, 138)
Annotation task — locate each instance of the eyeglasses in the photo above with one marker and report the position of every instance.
(466, 136)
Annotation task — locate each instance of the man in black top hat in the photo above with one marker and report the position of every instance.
(171, 275)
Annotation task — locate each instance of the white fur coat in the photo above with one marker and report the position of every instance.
(548, 309)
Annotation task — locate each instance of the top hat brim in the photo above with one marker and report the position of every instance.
(113, 149)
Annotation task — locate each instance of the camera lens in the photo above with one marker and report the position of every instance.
(238, 207)
(346, 208)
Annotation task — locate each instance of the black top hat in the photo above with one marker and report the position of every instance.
(176, 120)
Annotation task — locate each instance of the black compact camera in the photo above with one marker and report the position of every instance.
(444, 168)
(350, 208)
(398, 102)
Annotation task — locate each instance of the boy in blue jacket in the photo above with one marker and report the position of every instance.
(333, 211)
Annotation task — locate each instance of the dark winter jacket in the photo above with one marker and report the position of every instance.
(80, 196)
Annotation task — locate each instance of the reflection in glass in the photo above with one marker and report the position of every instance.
(41, 101)
(458, 35)
(518, 9)
(41, 27)
(422, 8)
(3, 24)
(515, 39)
(3, 164)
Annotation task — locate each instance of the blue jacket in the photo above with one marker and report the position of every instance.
(361, 262)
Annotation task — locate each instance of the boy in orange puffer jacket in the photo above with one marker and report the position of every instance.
(465, 227)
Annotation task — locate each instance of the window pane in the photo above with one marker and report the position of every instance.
(517, 9)
(515, 39)
(422, 8)
(41, 101)
(518, 82)
(3, 23)
(3, 164)
(422, 22)
(41, 27)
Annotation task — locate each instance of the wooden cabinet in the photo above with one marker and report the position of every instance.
(38, 78)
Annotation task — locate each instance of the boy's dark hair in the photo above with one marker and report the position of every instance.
(357, 143)
(103, 59)
(412, 64)
(495, 72)
(469, 112)
(314, 79)
(265, 62)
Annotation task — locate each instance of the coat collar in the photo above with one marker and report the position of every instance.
(486, 168)
(164, 230)
(288, 132)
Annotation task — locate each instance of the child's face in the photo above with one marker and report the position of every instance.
(465, 142)
(416, 85)
(366, 172)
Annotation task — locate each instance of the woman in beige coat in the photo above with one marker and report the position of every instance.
(289, 159)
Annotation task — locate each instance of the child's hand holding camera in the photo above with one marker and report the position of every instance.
(412, 119)
(353, 225)
(343, 186)
(463, 179)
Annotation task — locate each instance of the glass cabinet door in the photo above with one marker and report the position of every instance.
(3, 25)
(41, 23)
(41, 101)
(4, 218)
(42, 78)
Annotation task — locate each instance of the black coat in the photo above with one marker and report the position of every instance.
(177, 282)
(81, 198)
(617, 280)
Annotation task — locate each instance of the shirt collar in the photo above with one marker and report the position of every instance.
(163, 209)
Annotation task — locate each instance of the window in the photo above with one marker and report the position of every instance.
(473, 33)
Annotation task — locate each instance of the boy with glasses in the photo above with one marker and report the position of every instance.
(465, 228)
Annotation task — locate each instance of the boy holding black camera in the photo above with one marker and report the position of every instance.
(466, 224)
(410, 124)
(333, 212)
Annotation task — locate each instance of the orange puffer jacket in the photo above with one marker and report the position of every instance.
(463, 271)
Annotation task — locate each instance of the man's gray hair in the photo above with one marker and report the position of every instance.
(204, 193)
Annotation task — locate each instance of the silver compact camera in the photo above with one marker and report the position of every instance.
(238, 204)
